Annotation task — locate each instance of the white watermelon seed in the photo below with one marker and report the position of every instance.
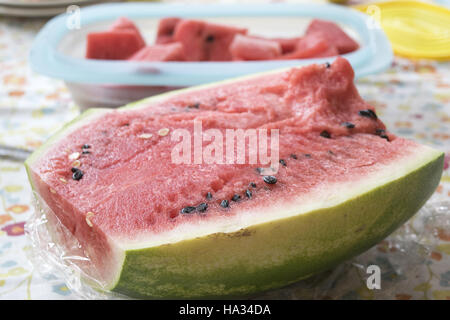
(76, 163)
(74, 156)
(145, 136)
(163, 132)
(89, 215)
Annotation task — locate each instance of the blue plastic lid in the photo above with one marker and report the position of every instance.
(374, 54)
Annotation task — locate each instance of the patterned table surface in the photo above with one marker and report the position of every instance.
(413, 98)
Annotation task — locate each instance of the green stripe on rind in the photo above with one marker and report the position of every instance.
(280, 252)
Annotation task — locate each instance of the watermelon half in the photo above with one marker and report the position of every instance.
(153, 228)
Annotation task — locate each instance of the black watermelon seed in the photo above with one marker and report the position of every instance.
(270, 179)
(77, 174)
(384, 136)
(85, 152)
(224, 204)
(325, 134)
(85, 146)
(307, 155)
(202, 207)
(294, 156)
(252, 184)
(209, 38)
(187, 210)
(74, 170)
(331, 152)
(194, 106)
(248, 193)
(259, 170)
(283, 163)
(236, 198)
(368, 114)
(348, 125)
(379, 131)
(327, 65)
(209, 196)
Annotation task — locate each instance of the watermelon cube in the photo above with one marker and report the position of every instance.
(126, 24)
(112, 45)
(166, 29)
(313, 45)
(287, 44)
(252, 48)
(333, 34)
(204, 41)
(160, 52)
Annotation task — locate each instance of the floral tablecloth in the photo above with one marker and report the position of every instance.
(413, 98)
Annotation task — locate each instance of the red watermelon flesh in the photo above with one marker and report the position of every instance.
(112, 45)
(251, 48)
(137, 192)
(288, 45)
(166, 29)
(204, 41)
(301, 102)
(124, 23)
(313, 45)
(333, 34)
(160, 52)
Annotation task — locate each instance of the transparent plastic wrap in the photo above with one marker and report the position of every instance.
(55, 251)
(403, 258)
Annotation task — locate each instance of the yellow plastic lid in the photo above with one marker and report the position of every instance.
(415, 29)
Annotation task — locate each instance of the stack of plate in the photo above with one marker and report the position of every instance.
(39, 8)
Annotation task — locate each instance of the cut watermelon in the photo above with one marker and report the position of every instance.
(154, 228)
(204, 41)
(334, 35)
(288, 45)
(313, 45)
(112, 45)
(166, 29)
(126, 24)
(160, 52)
(250, 48)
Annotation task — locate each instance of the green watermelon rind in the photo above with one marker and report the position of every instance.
(274, 253)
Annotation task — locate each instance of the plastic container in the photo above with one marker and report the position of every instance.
(415, 29)
(59, 51)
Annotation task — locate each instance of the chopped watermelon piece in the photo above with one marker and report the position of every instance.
(112, 45)
(313, 45)
(204, 41)
(251, 48)
(288, 45)
(333, 34)
(166, 29)
(126, 24)
(160, 52)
